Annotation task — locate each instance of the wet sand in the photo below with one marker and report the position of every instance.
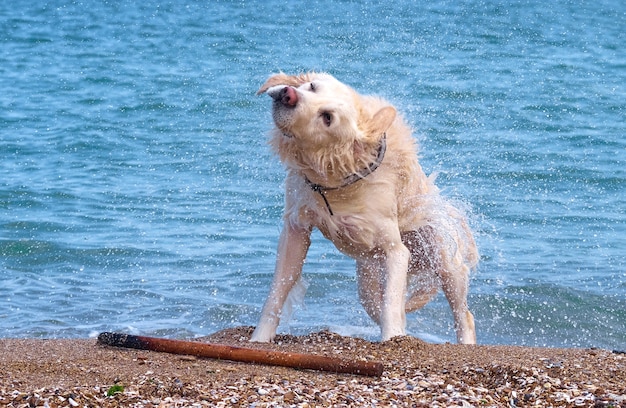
(81, 372)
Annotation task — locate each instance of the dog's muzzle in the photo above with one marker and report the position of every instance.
(285, 95)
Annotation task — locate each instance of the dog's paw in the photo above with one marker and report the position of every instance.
(391, 333)
(262, 336)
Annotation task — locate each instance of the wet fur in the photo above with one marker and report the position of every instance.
(406, 239)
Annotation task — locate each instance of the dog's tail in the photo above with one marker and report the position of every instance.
(421, 289)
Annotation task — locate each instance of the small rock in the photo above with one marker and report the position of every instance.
(290, 397)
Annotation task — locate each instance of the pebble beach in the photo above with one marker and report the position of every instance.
(84, 373)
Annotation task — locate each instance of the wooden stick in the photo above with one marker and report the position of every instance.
(246, 355)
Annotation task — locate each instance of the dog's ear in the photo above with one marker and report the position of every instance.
(381, 121)
(284, 79)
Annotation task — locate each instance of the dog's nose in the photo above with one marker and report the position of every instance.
(287, 96)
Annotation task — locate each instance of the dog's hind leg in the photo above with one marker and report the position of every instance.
(423, 283)
(428, 257)
(454, 282)
(369, 281)
(419, 297)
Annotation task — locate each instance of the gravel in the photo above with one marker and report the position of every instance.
(82, 373)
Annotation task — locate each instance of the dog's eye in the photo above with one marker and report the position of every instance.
(327, 118)
(313, 87)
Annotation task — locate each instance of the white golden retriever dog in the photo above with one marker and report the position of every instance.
(353, 173)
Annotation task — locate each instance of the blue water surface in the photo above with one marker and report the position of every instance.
(138, 193)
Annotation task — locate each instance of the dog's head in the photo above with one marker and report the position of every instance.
(317, 109)
(323, 125)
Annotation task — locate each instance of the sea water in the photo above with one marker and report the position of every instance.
(138, 193)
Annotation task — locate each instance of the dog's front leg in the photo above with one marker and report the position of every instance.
(393, 314)
(292, 248)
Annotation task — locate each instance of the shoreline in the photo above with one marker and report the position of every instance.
(80, 372)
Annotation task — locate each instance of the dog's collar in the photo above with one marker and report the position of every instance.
(353, 178)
